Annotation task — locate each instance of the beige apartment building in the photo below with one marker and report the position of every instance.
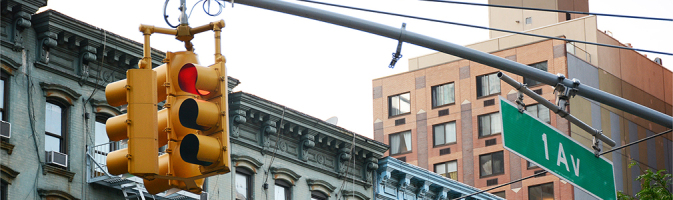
(443, 116)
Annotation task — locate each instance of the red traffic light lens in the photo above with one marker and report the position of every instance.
(187, 78)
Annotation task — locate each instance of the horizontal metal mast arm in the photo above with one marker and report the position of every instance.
(463, 52)
(519, 86)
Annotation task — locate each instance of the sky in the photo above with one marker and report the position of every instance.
(325, 70)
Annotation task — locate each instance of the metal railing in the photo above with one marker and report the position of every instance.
(97, 165)
(578, 52)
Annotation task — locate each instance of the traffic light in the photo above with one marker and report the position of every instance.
(206, 113)
(140, 124)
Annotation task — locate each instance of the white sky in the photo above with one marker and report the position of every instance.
(325, 70)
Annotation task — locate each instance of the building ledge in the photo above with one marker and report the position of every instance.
(58, 171)
(7, 147)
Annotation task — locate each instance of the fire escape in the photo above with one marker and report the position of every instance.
(131, 186)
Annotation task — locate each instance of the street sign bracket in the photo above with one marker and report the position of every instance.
(556, 109)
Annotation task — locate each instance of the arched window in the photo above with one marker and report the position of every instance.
(316, 195)
(282, 190)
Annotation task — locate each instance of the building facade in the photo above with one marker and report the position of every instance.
(54, 72)
(440, 115)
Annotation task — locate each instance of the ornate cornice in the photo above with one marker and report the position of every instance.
(246, 161)
(320, 185)
(7, 147)
(347, 193)
(8, 172)
(285, 174)
(55, 193)
(58, 171)
(102, 107)
(59, 91)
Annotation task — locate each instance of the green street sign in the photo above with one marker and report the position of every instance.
(540, 143)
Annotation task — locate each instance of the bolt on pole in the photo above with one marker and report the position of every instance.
(521, 87)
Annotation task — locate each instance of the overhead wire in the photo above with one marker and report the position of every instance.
(551, 10)
(485, 28)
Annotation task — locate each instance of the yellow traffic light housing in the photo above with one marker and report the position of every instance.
(193, 122)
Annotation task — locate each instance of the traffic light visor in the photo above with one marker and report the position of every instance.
(197, 79)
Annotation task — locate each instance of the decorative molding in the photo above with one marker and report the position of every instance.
(285, 174)
(102, 107)
(306, 142)
(86, 54)
(59, 91)
(7, 147)
(423, 188)
(371, 165)
(442, 193)
(354, 195)
(8, 174)
(58, 171)
(342, 159)
(246, 161)
(404, 181)
(268, 128)
(320, 185)
(20, 21)
(55, 193)
(47, 41)
(237, 118)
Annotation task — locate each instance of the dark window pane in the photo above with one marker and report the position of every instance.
(541, 66)
(485, 167)
(500, 194)
(541, 192)
(498, 163)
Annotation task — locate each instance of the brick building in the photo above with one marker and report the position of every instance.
(442, 115)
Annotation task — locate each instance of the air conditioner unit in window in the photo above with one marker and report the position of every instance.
(5, 129)
(57, 158)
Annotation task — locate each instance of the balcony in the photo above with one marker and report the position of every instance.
(131, 186)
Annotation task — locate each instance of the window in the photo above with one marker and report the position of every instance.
(489, 124)
(541, 66)
(500, 194)
(448, 169)
(3, 190)
(491, 164)
(315, 195)
(443, 95)
(282, 190)
(400, 143)
(541, 192)
(4, 90)
(54, 128)
(488, 85)
(529, 20)
(530, 165)
(444, 133)
(243, 184)
(399, 104)
(539, 111)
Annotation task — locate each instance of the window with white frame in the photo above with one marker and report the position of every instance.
(444, 133)
(489, 124)
(399, 104)
(488, 84)
(448, 169)
(400, 143)
(443, 94)
(539, 111)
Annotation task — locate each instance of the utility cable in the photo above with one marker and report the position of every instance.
(499, 186)
(266, 176)
(551, 10)
(638, 141)
(485, 28)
